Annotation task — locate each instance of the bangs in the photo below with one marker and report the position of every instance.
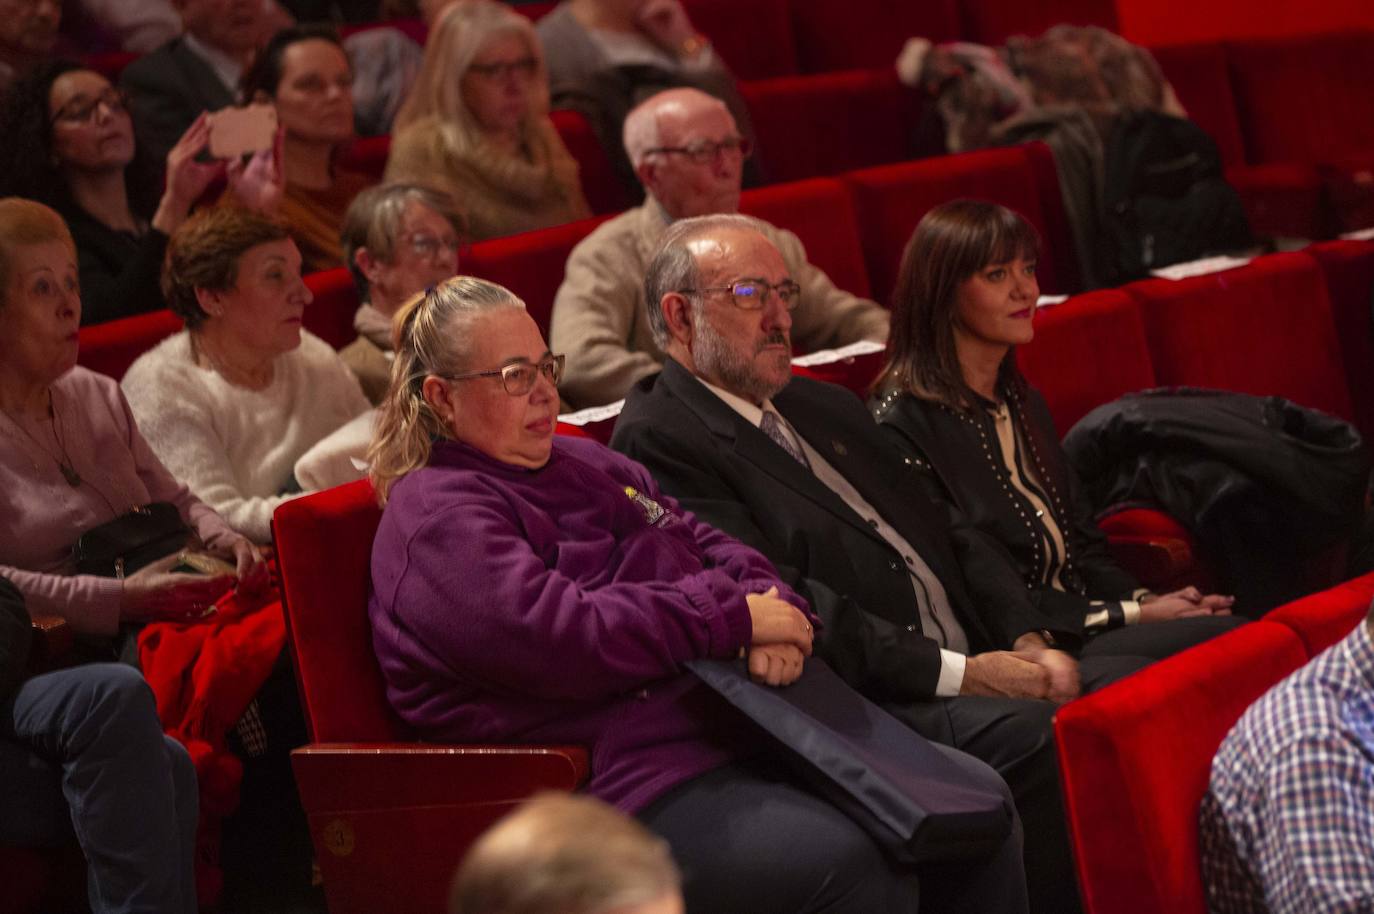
(1011, 237)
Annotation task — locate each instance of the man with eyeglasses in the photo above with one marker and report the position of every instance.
(687, 152)
(920, 614)
(398, 240)
(28, 32)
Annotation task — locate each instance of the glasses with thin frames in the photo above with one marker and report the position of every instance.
(704, 152)
(518, 377)
(83, 110)
(428, 246)
(752, 294)
(523, 67)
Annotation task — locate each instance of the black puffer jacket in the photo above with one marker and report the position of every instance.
(1261, 482)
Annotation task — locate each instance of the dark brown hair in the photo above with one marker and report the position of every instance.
(954, 241)
(204, 254)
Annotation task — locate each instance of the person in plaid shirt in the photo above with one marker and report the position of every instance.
(1287, 824)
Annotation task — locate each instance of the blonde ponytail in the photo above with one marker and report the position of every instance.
(431, 335)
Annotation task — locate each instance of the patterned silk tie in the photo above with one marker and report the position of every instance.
(771, 425)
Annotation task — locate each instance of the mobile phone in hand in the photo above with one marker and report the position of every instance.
(236, 132)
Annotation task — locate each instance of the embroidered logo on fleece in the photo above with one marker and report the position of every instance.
(654, 513)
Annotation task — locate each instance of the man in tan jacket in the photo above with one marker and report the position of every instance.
(688, 154)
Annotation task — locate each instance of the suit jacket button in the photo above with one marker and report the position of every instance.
(894, 566)
(912, 628)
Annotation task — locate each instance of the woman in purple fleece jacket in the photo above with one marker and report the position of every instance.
(528, 588)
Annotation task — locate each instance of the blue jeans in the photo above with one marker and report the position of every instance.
(84, 745)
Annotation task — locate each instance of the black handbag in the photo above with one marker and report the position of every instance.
(122, 546)
(919, 801)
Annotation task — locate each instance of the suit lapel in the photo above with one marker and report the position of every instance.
(753, 446)
(200, 75)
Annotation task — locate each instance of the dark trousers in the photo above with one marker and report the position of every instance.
(1158, 640)
(750, 838)
(85, 744)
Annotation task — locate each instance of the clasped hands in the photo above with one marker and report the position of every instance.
(1031, 669)
(781, 641)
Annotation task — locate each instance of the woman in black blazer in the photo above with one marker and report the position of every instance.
(981, 438)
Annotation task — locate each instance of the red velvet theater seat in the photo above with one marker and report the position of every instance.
(816, 126)
(1135, 759)
(1349, 270)
(1087, 351)
(866, 34)
(368, 155)
(330, 315)
(110, 348)
(530, 264)
(1264, 329)
(753, 37)
(1322, 619)
(993, 21)
(600, 184)
(821, 214)
(390, 817)
(1310, 100)
(1285, 199)
(891, 199)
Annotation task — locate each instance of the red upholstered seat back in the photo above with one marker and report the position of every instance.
(1135, 759)
(993, 21)
(1349, 270)
(530, 264)
(1087, 351)
(600, 184)
(891, 199)
(330, 315)
(110, 348)
(1305, 99)
(753, 37)
(1202, 82)
(324, 551)
(821, 214)
(368, 155)
(811, 126)
(1322, 619)
(1264, 329)
(866, 34)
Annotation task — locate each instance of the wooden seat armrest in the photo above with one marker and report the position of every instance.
(52, 638)
(383, 775)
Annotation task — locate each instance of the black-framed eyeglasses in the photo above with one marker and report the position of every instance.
(704, 152)
(523, 66)
(116, 101)
(752, 294)
(518, 377)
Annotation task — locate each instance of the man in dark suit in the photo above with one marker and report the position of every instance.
(198, 71)
(918, 613)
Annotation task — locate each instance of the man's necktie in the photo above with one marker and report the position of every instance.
(771, 425)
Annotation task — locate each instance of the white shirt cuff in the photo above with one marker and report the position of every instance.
(951, 674)
(1131, 610)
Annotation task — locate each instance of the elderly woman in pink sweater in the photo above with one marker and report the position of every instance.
(71, 457)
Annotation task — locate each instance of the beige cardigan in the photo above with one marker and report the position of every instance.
(500, 195)
(600, 323)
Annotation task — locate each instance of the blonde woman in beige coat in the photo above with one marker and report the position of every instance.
(476, 125)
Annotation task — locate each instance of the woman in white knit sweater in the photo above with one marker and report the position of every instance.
(233, 401)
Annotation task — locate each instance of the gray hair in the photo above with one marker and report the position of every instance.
(641, 131)
(373, 221)
(432, 334)
(673, 268)
(538, 860)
